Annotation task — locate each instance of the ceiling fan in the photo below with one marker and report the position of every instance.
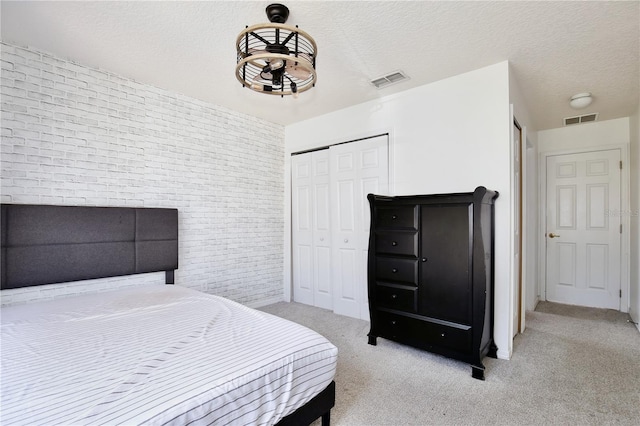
(276, 58)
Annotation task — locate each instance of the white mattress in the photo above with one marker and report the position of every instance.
(156, 355)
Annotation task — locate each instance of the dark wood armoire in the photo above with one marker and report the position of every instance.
(430, 273)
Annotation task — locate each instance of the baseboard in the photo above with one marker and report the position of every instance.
(535, 303)
(634, 318)
(265, 302)
(504, 355)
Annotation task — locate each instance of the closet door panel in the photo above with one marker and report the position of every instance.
(357, 169)
(322, 261)
(344, 207)
(322, 297)
(302, 231)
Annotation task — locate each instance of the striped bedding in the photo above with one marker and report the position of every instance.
(156, 355)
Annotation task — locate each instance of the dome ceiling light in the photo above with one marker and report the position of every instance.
(275, 58)
(581, 100)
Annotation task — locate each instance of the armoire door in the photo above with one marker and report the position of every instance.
(446, 241)
(357, 169)
(311, 237)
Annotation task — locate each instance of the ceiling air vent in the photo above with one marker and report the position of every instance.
(389, 79)
(580, 119)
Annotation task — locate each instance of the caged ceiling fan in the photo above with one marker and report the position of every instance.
(276, 58)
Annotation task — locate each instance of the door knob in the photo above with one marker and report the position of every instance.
(552, 235)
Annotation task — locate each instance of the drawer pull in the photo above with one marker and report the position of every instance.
(394, 270)
(394, 243)
(424, 259)
(442, 335)
(394, 296)
(394, 217)
(393, 323)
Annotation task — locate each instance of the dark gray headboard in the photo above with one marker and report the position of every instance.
(53, 244)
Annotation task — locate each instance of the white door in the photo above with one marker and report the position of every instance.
(311, 237)
(583, 237)
(357, 169)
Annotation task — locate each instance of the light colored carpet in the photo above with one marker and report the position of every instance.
(572, 366)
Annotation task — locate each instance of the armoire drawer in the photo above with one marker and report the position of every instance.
(393, 297)
(397, 217)
(423, 333)
(397, 270)
(397, 242)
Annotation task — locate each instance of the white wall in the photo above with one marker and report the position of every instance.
(75, 135)
(634, 157)
(613, 133)
(596, 134)
(448, 136)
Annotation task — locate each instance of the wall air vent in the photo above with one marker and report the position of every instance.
(389, 79)
(580, 119)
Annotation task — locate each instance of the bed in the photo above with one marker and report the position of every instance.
(157, 355)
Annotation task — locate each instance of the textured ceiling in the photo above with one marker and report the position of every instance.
(556, 49)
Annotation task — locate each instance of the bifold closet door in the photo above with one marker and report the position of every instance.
(311, 238)
(330, 223)
(357, 169)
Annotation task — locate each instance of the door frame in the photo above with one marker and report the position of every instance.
(625, 243)
(518, 187)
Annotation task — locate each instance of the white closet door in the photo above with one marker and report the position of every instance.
(311, 225)
(321, 230)
(302, 234)
(357, 169)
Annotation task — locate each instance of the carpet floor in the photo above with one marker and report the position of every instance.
(571, 366)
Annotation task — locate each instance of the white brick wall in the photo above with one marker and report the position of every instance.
(74, 135)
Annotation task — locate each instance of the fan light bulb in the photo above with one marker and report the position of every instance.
(276, 64)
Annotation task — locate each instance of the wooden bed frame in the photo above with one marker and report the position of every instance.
(44, 244)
